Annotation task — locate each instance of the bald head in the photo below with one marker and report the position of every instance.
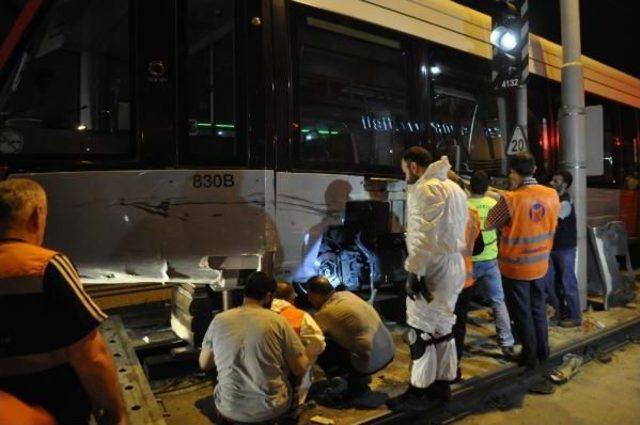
(319, 289)
(285, 291)
(23, 210)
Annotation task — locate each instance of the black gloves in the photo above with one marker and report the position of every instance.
(414, 287)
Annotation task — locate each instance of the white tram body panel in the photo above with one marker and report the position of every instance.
(158, 226)
(168, 225)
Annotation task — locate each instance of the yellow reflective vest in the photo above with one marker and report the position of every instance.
(482, 206)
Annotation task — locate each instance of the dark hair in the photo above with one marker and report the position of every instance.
(285, 291)
(319, 285)
(258, 285)
(523, 163)
(566, 176)
(479, 183)
(419, 155)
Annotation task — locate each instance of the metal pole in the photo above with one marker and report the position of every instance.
(502, 122)
(572, 130)
(521, 91)
(521, 109)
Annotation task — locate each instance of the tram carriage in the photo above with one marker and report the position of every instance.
(174, 136)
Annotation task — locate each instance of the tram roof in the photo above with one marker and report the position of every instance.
(463, 28)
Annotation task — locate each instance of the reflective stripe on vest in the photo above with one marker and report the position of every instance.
(528, 238)
(294, 316)
(482, 206)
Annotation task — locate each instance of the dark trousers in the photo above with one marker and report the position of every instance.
(335, 360)
(460, 327)
(527, 305)
(562, 285)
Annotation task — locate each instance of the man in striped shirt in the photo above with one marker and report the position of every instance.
(51, 353)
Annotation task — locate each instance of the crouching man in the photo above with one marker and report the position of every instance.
(253, 350)
(304, 326)
(358, 343)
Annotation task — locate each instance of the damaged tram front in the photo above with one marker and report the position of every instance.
(174, 143)
(177, 139)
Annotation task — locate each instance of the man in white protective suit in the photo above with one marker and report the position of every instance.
(436, 219)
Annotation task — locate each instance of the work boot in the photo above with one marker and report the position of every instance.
(357, 385)
(554, 320)
(440, 390)
(458, 376)
(509, 353)
(570, 323)
(543, 386)
(413, 399)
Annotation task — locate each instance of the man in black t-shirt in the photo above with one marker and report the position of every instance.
(562, 285)
(51, 353)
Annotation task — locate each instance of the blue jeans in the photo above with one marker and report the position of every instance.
(527, 302)
(562, 285)
(487, 277)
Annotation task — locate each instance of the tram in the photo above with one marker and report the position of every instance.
(173, 136)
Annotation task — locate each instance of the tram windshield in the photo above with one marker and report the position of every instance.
(68, 91)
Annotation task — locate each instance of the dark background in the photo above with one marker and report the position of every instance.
(610, 28)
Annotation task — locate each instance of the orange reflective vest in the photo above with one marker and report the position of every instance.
(472, 232)
(528, 237)
(22, 268)
(294, 316)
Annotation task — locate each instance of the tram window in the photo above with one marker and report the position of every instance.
(69, 93)
(464, 116)
(352, 99)
(211, 84)
(612, 142)
(544, 102)
(452, 117)
(629, 139)
(621, 152)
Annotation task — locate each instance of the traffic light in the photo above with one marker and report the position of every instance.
(510, 41)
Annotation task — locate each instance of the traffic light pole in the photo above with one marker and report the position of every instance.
(572, 127)
(521, 108)
(504, 129)
(521, 91)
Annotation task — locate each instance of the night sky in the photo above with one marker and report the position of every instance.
(610, 28)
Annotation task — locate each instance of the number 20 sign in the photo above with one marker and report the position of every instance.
(517, 143)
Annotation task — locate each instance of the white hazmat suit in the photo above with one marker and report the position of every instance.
(436, 220)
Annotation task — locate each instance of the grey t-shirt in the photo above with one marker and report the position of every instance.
(355, 325)
(250, 348)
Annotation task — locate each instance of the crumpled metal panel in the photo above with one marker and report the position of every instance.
(158, 225)
(607, 245)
